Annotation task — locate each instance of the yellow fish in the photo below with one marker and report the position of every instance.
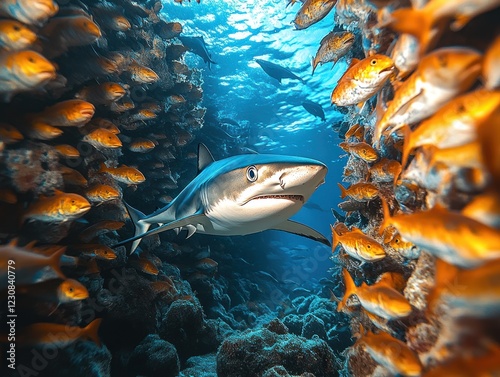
(60, 207)
(102, 138)
(379, 299)
(22, 71)
(15, 36)
(102, 193)
(67, 151)
(405, 248)
(70, 113)
(440, 76)
(451, 236)
(124, 174)
(363, 79)
(358, 245)
(102, 94)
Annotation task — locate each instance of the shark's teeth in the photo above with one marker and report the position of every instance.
(290, 197)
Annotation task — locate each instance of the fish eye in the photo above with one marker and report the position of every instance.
(16, 27)
(252, 173)
(31, 59)
(73, 201)
(373, 62)
(368, 246)
(71, 289)
(396, 240)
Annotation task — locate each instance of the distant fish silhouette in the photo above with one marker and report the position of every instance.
(276, 71)
(198, 46)
(315, 206)
(314, 109)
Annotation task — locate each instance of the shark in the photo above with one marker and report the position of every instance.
(198, 46)
(237, 195)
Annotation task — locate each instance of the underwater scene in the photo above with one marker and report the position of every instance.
(220, 188)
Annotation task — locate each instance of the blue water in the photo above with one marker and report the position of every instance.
(270, 114)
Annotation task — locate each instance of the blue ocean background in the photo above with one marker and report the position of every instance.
(270, 115)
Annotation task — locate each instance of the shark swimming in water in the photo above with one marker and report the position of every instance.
(238, 195)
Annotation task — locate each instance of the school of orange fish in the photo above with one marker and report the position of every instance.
(77, 95)
(424, 105)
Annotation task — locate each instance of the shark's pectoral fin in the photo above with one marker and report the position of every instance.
(188, 221)
(302, 230)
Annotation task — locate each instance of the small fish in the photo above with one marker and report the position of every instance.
(14, 36)
(57, 335)
(355, 131)
(100, 228)
(405, 248)
(141, 74)
(379, 298)
(142, 115)
(124, 174)
(144, 265)
(102, 193)
(72, 177)
(394, 280)
(448, 235)
(392, 354)
(141, 145)
(311, 12)
(206, 265)
(22, 71)
(440, 76)
(40, 131)
(97, 123)
(358, 245)
(314, 108)
(64, 32)
(70, 113)
(60, 207)
(30, 267)
(31, 12)
(102, 94)
(491, 63)
(98, 251)
(102, 138)
(60, 292)
(168, 30)
(361, 192)
(385, 171)
(363, 79)
(333, 47)
(10, 134)
(362, 150)
(66, 150)
(454, 124)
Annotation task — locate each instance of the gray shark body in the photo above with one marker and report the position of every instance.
(276, 71)
(238, 195)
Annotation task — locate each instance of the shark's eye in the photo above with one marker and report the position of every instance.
(252, 173)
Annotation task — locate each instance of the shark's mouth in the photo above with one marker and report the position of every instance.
(295, 198)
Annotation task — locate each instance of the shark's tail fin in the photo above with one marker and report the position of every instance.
(140, 227)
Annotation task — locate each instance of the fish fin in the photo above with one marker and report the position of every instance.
(350, 289)
(343, 192)
(192, 219)
(314, 65)
(335, 238)
(460, 21)
(407, 146)
(58, 192)
(91, 331)
(139, 227)
(301, 230)
(205, 158)
(55, 260)
(191, 230)
(387, 216)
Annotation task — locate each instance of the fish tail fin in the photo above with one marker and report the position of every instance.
(343, 192)
(335, 238)
(387, 216)
(140, 227)
(314, 65)
(91, 331)
(55, 262)
(350, 289)
(407, 145)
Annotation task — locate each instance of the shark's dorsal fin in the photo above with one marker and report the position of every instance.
(205, 158)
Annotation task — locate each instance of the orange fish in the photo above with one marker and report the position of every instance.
(22, 71)
(98, 251)
(102, 94)
(102, 138)
(31, 12)
(73, 177)
(363, 79)
(385, 171)
(101, 123)
(358, 245)
(67, 151)
(355, 131)
(448, 235)
(70, 113)
(14, 36)
(141, 145)
(9, 134)
(333, 47)
(141, 74)
(102, 193)
(61, 292)
(124, 174)
(60, 207)
(57, 334)
(311, 12)
(40, 131)
(144, 265)
(379, 298)
(99, 228)
(362, 150)
(491, 63)
(361, 192)
(485, 208)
